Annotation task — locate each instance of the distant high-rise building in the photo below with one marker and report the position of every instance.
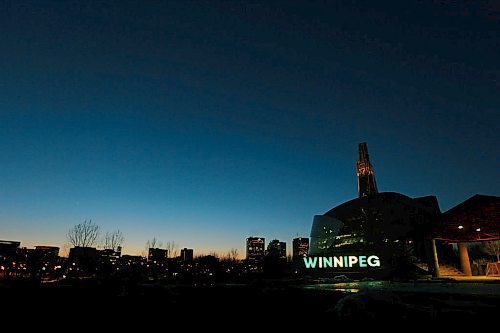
(300, 247)
(187, 254)
(42, 258)
(128, 260)
(107, 256)
(157, 255)
(255, 248)
(276, 249)
(9, 248)
(364, 170)
(283, 250)
(82, 253)
(48, 252)
(85, 258)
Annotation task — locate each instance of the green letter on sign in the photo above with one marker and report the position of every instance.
(310, 262)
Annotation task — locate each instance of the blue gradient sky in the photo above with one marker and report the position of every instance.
(206, 123)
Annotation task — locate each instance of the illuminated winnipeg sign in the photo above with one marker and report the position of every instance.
(342, 261)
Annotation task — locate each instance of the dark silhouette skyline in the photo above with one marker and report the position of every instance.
(206, 123)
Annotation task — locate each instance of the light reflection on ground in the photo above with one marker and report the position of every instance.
(453, 287)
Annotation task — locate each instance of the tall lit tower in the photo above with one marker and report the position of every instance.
(366, 176)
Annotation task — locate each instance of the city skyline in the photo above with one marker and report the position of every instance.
(205, 125)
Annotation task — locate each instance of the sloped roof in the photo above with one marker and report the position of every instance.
(388, 215)
(475, 219)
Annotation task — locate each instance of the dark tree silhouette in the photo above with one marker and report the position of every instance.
(153, 243)
(233, 254)
(172, 249)
(83, 234)
(492, 248)
(113, 240)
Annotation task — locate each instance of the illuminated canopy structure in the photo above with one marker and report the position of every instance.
(475, 220)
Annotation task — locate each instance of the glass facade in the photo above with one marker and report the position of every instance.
(323, 232)
(378, 223)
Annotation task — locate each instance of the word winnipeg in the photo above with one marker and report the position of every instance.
(342, 261)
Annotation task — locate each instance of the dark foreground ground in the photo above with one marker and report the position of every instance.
(438, 302)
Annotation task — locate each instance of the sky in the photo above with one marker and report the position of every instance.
(204, 123)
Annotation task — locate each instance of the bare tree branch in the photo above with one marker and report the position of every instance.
(233, 254)
(153, 244)
(213, 254)
(113, 240)
(83, 234)
(172, 249)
